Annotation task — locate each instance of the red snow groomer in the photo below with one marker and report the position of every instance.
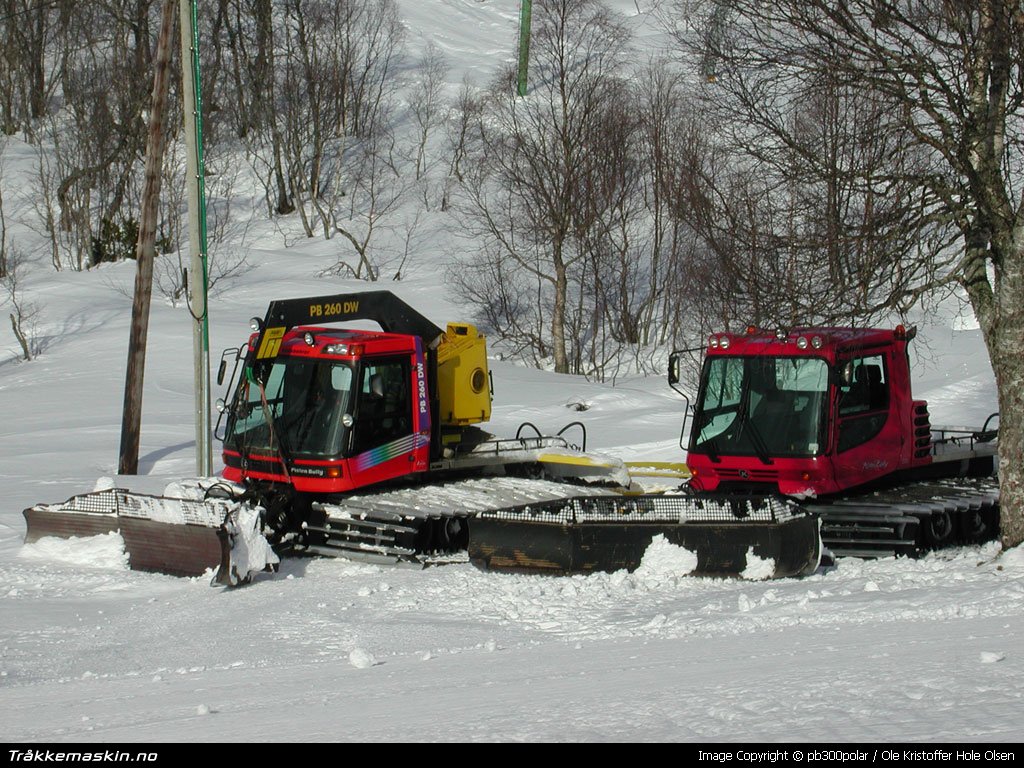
(826, 416)
(327, 429)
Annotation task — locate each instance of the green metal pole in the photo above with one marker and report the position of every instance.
(525, 11)
(198, 285)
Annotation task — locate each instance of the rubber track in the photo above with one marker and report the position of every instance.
(910, 519)
(422, 525)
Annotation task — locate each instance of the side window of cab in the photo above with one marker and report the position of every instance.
(384, 407)
(863, 406)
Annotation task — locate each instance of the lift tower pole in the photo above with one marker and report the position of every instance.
(198, 285)
(525, 12)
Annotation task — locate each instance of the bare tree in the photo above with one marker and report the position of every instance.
(576, 187)
(43, 201)
(91, 164)
(425, 103)
(360, 210)
(949, 88)
(791, 232)
(3, 219)
(458, 127)
(534, 186)
(227, 234)
(338, 65)
(244, 88)
(31, 58)
(23, 314)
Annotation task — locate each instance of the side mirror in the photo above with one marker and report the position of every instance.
(846, 374)
(673, 368)
(221, 371)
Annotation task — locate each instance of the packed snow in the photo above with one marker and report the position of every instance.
(892, 650)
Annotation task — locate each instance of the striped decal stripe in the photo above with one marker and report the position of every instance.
(388, 451)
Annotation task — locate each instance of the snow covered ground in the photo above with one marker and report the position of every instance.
(884, 651)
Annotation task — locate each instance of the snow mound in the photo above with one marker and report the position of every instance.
(103, 551)
(758, 569)
(664, 562)
(360, 658)
(990, 657)
(1012, 559)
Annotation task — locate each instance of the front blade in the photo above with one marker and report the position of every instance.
(609, 534)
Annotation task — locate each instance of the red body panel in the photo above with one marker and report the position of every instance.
(892, 443)
(400, 457)
(333, 476)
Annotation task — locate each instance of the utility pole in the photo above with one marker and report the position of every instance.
(145, 251)
(196, 186)
(525, 11)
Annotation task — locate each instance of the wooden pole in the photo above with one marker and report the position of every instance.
(145, 250)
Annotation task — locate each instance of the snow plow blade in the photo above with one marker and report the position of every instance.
(179, 537)
(729, 536)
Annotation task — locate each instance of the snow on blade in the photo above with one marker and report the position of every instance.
(103, 551)
(758, 569)
(104, 484)
(197, 488)
(250, 550)
(664, 562)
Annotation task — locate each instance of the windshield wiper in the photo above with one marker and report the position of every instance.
(743, 421)
(755, 437)
(711, 448)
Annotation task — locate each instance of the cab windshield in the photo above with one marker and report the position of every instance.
(298, 412)
(761, 406)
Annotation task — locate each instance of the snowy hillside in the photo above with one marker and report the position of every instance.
(327, 650)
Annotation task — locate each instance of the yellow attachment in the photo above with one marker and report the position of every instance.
(463, 383)
(670, 469)
(655, 476)
(585, 467)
